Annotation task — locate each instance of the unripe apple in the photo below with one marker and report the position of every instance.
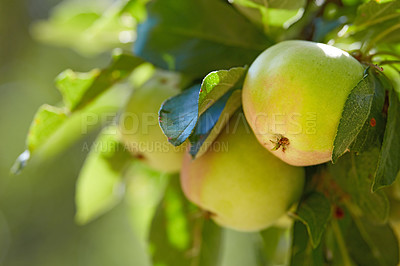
(293, 98)
(241, 184)
(139, 128)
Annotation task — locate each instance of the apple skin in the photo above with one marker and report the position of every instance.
(243, 186)
(295, 91)
(139, 128)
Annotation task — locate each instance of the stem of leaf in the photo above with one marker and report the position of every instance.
(341, 243)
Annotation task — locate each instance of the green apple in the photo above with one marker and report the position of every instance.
(241, 184)
(139, 128)
(293, 98)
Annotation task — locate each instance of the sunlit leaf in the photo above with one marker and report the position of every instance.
(79, 89)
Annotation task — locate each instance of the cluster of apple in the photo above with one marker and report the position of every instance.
(292, 98)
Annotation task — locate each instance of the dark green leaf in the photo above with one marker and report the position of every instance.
(197, 36)
(372, 132)
(355, 112)
(371, 245)
(303, 253)
(314, 212)
(389, 158)
(100, 186)
(354, 174)
(79, 89)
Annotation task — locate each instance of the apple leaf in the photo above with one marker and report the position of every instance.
(389, 158)
(314, 212)
(303, 253)
(355, 112)
(217, 83)
(372, 132)
(178, 237)
(46, 121)
(100, 185)
(197, 36)
(354, 175)
(212, 122)
(179, 115)
(79, 89)
(370, 244)
(86, 96)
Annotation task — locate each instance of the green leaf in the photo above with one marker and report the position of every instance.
(80, 89)
(100, 185)
(180, 236)
(314, 212)
(371, 244)
(372, 132)
(197, 37)
(216, 84)
(213, 121)
(180, 115)
(54, 134)
(389, 158)
(303, 253)
(354, 174)
(355, 112)
(46, 121)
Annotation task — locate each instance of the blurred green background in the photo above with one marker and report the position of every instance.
(37, 207)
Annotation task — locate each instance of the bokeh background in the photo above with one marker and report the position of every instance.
(37, 207)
